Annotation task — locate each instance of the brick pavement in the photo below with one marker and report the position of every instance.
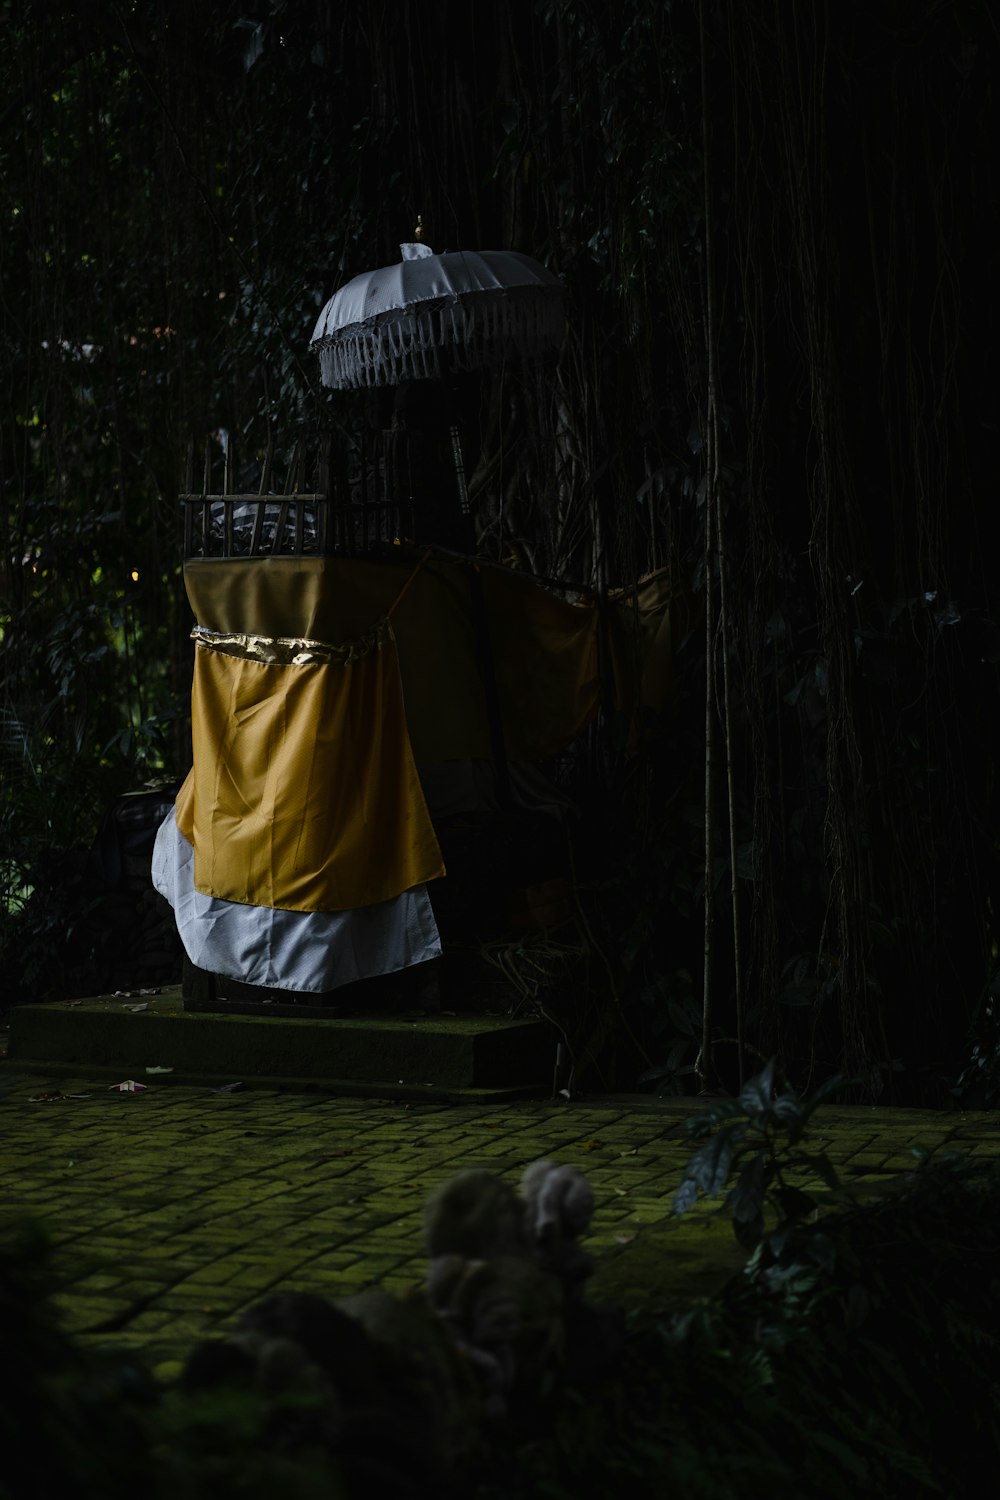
(172, 1210)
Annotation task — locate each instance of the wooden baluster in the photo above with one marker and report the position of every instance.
(265, 473)
(279, 530)
(187, 509)
(294, 477)
(206, 508)
(323, 491)
(260, 506)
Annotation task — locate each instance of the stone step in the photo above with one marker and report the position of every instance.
(399, 1056)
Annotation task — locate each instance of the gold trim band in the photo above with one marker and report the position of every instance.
(285, 650)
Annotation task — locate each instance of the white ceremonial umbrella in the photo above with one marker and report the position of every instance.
(481, 306)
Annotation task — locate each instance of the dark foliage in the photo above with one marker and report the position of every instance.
(759, 1136)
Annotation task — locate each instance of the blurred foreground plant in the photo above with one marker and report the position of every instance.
(759, 1135)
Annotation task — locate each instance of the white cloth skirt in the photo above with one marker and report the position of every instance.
(290, 950)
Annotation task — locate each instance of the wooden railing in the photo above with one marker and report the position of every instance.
(360, 501)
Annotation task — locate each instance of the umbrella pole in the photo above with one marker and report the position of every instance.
(494, 718)
(463, 488)
(481, 625)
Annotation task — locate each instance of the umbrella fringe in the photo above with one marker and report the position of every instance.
(477, 331)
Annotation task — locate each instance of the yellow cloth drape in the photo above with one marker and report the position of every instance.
(546, 652)
(304, 794)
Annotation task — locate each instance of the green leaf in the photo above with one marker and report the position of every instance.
(748, 1232)
(746, 1201)
(821, 1164)
(708, 1170)
(710, 1166)
(686, 1196)
(787, 1109)
(699, 1125)
(756, 1095)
